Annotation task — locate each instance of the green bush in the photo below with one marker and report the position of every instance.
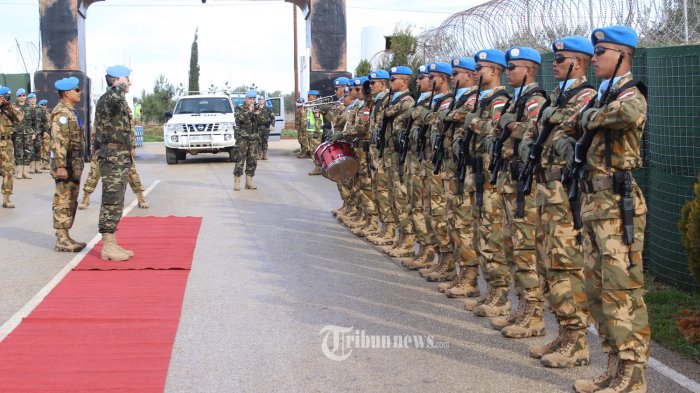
(689, 225)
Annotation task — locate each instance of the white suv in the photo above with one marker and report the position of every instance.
(200, 124)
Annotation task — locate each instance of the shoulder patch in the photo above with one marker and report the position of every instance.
(63, 120)
(532, 105)
(626, 94)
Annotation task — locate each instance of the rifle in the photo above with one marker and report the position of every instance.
(534, 159)
(578, 170)
(438, 147)
(464, 157)
(420, 147)
(403, 140)
(381, 138)
(497, 152)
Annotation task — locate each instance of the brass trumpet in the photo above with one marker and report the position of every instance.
(319, 101)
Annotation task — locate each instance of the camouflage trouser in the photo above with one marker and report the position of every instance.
(522, 238)
(364, 183)
(460, 221)
(115, 171)
(94, 176)
(247, 156)
(65, 204)
(345, 190)
(7, 165)
(437, 205)
(38, 142)
(314, 140)
(45, 147)
(380, 187)
(398, 193)
(303, 140)
(23, 142)
(264, 136)
(560, 262)
(416, 199)
(492, 239)
(614, 287)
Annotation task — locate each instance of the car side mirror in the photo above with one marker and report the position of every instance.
(168, 115)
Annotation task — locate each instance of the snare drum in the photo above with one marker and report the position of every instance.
(338, 161)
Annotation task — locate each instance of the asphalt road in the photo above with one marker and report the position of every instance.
(271, 269)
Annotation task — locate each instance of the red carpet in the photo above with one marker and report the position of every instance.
(106, 331)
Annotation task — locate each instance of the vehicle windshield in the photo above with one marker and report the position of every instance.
(203, 105)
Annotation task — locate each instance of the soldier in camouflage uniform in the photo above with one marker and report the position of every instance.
(459, 215)
(25, 133)
(115, 155)
(397, 112)
(41, 125)
(45, 134)
(266, 112)
(314, 121)
(248, 118)
(67, 146)
(559, 249)
(613, 245)
(380, 183)
(444, 269)
(300, 125)
(415, 174)
(10, 117)
(519, 213)
(350, 213)
(492, 242)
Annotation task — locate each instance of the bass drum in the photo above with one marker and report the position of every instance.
(338, 161)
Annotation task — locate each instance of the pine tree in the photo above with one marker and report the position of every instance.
(193, 87)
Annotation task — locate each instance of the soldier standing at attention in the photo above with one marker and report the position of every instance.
(40, 124)
(24, 134)
(248, 118)
(67, 145)
(300, 127)
(613, 210)
(45, 134)
(265, 112)
(9, 118)
(115, 155)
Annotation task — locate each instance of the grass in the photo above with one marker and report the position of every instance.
(153, 133)
(289, 133)
(663, 302)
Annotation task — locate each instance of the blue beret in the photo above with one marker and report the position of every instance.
(401, 70)
(251, 94)
(491, 55)
(573, 43)
(378, 74)
(423, 69)
(523, 53)
(464, 62)
(313, 93)
(20, 91)
(364, 79)
(623, 35)
(443, 68)
(31, 95)
(356, 82)
(5, 90)
(66, 84)
(43, 102)
(300, 100)
(351, 81)
(118, 71)
(342, 81)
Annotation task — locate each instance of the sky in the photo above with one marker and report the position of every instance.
(240, 42)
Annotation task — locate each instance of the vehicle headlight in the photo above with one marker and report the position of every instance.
(173, 128)
(227, 137)
(226, 127)
(174, 138)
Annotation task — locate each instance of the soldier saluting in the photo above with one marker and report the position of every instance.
(613, 210)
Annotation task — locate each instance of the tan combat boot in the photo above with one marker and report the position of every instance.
(439, 265)
(630, 378)
(85, 202)
(64, 243)
(378, 235)
(405, 248)
(249, 183)
(142, 201)
(370, 225)
(373, 230)
(110, 250)
(425, 258)
(602, 381)
(471, 304)
(6, 203)
(37, 166)
(445, 286)
(572, 352)
(395, 242)
(358, 220)
(315, 171)
(530, 322)
(495, 305)
(387, 235)
(236, 183)
(468, 286)
(334, 212)
(18, 172)
(499, 323)
(264, 155)
(447, 272)
(537, 351)
(25, 174)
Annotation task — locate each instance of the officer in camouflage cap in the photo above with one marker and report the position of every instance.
(25, 134)
(249, 119)
(10, 117)
(613, 210)
(67, 146)
(115, 154)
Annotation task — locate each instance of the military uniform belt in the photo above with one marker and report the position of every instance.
(5, 137)
(597, 184)
(548, 175)
(117, 146)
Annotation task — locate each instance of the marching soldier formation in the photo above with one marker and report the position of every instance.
(533, 191)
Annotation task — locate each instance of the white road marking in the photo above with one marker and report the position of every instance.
(16, 319)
